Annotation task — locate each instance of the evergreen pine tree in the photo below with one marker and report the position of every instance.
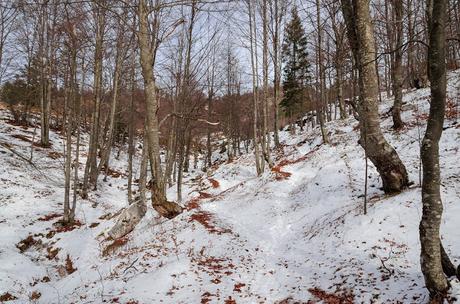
(296, 65)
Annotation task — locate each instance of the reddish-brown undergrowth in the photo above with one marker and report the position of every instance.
(278, 169)
(112, 247)
(7, 297)
(207, 220)
(113, 173)
(69, 265)
(194, 202)
(55, 155)
(61, 227)
(49, 217)
(452, 109)
(214, 183)
(331, 298)
(27, 243)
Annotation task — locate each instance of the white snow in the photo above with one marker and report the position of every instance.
(252, 240)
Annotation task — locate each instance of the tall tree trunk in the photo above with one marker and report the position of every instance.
(322, 80)
(397, 80)
(277, 11)
(131, 127)
(147, 48)
(90, 175)
(255, 88)
(120, 54)
(265, 134)
(71, 88)
(78, 102)
(383, 156)
(432, 253)
(43, 32)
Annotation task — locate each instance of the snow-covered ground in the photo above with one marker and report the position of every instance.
(294, 235)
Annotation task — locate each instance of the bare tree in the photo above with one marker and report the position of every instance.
(322, 104)
(148, 39)
(8, 16)
(255, 84)
(380, 152)
(397, 56)
(90, 176)
(434, 260)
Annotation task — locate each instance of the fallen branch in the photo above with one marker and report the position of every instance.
(131, 265)
(182, 116)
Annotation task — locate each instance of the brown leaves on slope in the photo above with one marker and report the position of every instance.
(214, 183)
(112, 247)
(280, 174)
(331, 298)
(207, 220)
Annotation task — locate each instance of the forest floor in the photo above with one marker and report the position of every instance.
(297, 234)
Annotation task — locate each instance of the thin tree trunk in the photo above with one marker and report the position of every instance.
(120, 54)
(255, 99)
(71, 104)
(90, 175)
(322, 86)
(265, 133)
(131, 127)
(397, 80)
(78, 102)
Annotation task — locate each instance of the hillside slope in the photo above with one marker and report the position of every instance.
(295, 234)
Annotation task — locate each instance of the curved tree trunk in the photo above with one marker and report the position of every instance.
(380, 152)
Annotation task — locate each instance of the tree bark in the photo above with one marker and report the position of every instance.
(397, 81)
(90, 174)
(432, 254)
(255, 87)
(147, 49)
(322, 80)
(383, 156)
